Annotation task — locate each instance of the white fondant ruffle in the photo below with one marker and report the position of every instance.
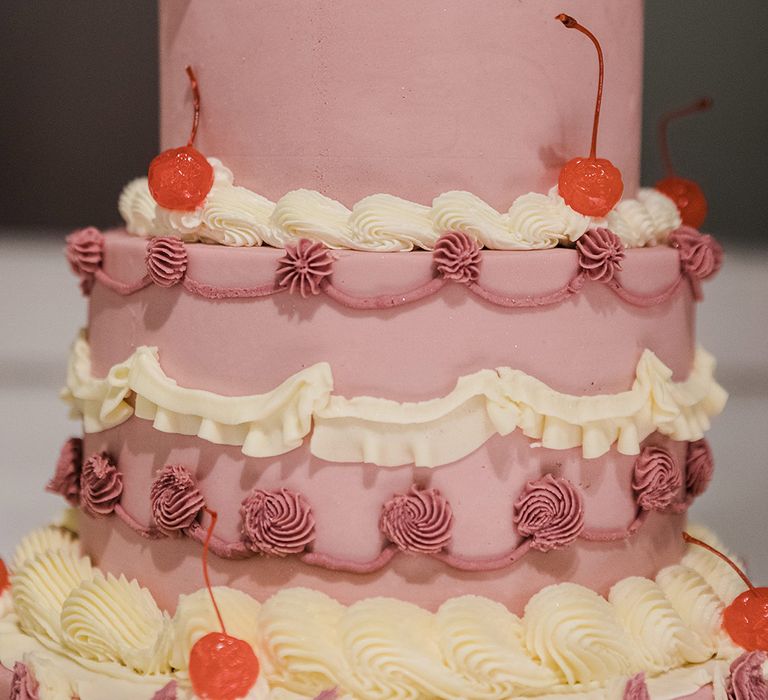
(388, 433)
(570, 642)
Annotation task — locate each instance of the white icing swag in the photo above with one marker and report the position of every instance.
(236, 216)
(86, 634)
(388, 433)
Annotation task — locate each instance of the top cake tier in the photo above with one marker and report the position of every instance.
(354, 97)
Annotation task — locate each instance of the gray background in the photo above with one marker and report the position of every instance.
(78, 119)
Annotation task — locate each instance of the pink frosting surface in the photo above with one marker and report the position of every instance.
(588, 344)
(493, 102)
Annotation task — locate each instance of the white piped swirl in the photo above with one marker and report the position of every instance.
(235, 216)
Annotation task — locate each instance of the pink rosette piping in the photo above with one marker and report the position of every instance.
(747, 680)
(419, 521)
(550, 511)
(167, 692)
(66, 479)
(701, 256)
(656, 478)
(601, 253)
(101, 486)
(636, 688)
(304, 266)
(699, 468)
(277, 522)
(176, 500)
(166, 261)
(457, 257)
(23, 685)
(85, 250)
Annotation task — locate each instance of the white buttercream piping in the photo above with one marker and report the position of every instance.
(388, 433)
(236, 216)
(570, 642)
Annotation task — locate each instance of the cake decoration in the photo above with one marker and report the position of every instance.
(221, 667)
(181, 178)
(277, 523)
(551, 512)
(23, 685)
(167, 692)
(419, 521)
(304, 267)
(5, 581)
(66, 478)
(101, 485)
(699, 467)
(686, 194)
(457, 257)
(701, 256)
(747, 680)
(600, 254)
(85, 250)
(636, 688)
(592, 186)
(657, 478)
(166, 261)
(176, 500)
(746, 618)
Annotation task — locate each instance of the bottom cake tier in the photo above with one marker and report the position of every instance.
(68, 631)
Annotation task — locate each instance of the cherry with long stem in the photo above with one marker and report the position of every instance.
(591, 186)
(686, 194)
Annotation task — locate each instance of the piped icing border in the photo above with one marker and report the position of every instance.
(236, 216)
(388, 433)
(548, 514)
(306, 268)
(79, 629)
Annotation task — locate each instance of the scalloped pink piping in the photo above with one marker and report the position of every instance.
(239, 550)
(389, 301)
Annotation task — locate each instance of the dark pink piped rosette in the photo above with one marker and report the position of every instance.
(23, 684)
(278, 523)
(457, 257)
(101, 486)
(747, 680)
(601, 253)
(701, 256)
(175, 499)
(85, 251)
(166, 261)
(167, 692)
(419, 521)
(699, 468)
(636, 688)
(550, 511)
(304, 266)
(656, 479)
(66, 479)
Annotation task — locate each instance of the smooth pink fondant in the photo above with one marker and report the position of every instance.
(409, 98)
(6, 678)
(588, 344)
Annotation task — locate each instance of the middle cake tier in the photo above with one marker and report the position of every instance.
(423, 425)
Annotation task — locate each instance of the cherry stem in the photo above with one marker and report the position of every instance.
(693, 540)
(196, 102)
(571, 23)
(206, 547)
(700, 105)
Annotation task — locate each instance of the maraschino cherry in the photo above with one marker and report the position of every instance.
(221, 667)
(5, 579)
(591, 186)
(181, 178)
(746, 618)
(686, 194)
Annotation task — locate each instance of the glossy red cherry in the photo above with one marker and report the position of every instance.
(222, 667)
(591, 186)
(181, 178)
(5, 579)
(746, 618)
(686, 194)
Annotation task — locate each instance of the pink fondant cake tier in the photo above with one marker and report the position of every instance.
(413, 99)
